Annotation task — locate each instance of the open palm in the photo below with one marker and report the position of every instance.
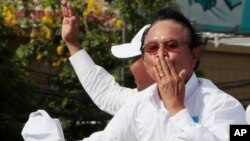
(70, 26)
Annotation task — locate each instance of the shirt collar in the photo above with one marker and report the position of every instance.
(191, 86)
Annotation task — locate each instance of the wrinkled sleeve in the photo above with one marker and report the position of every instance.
(102, 88)
(213, 125)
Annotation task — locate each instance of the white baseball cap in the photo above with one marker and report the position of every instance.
(132, 49)
(41, 127)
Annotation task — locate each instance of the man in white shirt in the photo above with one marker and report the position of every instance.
(180, 106)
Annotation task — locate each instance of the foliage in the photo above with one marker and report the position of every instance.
(35, 26)
(16, 92)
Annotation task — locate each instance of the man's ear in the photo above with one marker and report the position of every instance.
(195, 56)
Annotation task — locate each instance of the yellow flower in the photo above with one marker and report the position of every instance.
(33, 33)
(99, 7)
(7, 11)
(60, 50)
(9, 15)
(49, 35)
(48, 11)
(39, 56)
(10, 20)
(119, 24)
(47, 20)
(54, 64)
(46, 32)
(113, 21)
(90, 7)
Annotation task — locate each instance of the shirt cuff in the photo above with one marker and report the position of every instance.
(81, 60)
(181, 119)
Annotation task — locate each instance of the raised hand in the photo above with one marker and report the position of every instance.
(70, 28)
(171, 85)
(70, 25)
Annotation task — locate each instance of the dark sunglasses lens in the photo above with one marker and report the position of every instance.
(151, 47)
(172, 44)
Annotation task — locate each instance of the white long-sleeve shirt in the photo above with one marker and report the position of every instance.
(102, 88)
(207, 116)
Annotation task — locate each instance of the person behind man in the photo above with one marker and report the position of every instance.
(132, 51)
(180, 106)
(106, 93)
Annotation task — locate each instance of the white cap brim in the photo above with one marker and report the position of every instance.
(129, 50)
(125, 51)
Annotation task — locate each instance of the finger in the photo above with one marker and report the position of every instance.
(64, 8)
(164, 65)
(63, 3)
(156, 73)
(159, 68)
(171, 67)
(74, 20)
(182, 75)
(70, 12)
(75, 23)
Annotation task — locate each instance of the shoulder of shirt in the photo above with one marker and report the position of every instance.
(208, 87)
(210, 92)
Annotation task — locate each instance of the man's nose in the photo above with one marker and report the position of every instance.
(162, 51)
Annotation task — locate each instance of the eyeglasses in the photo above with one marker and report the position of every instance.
(153, 47)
